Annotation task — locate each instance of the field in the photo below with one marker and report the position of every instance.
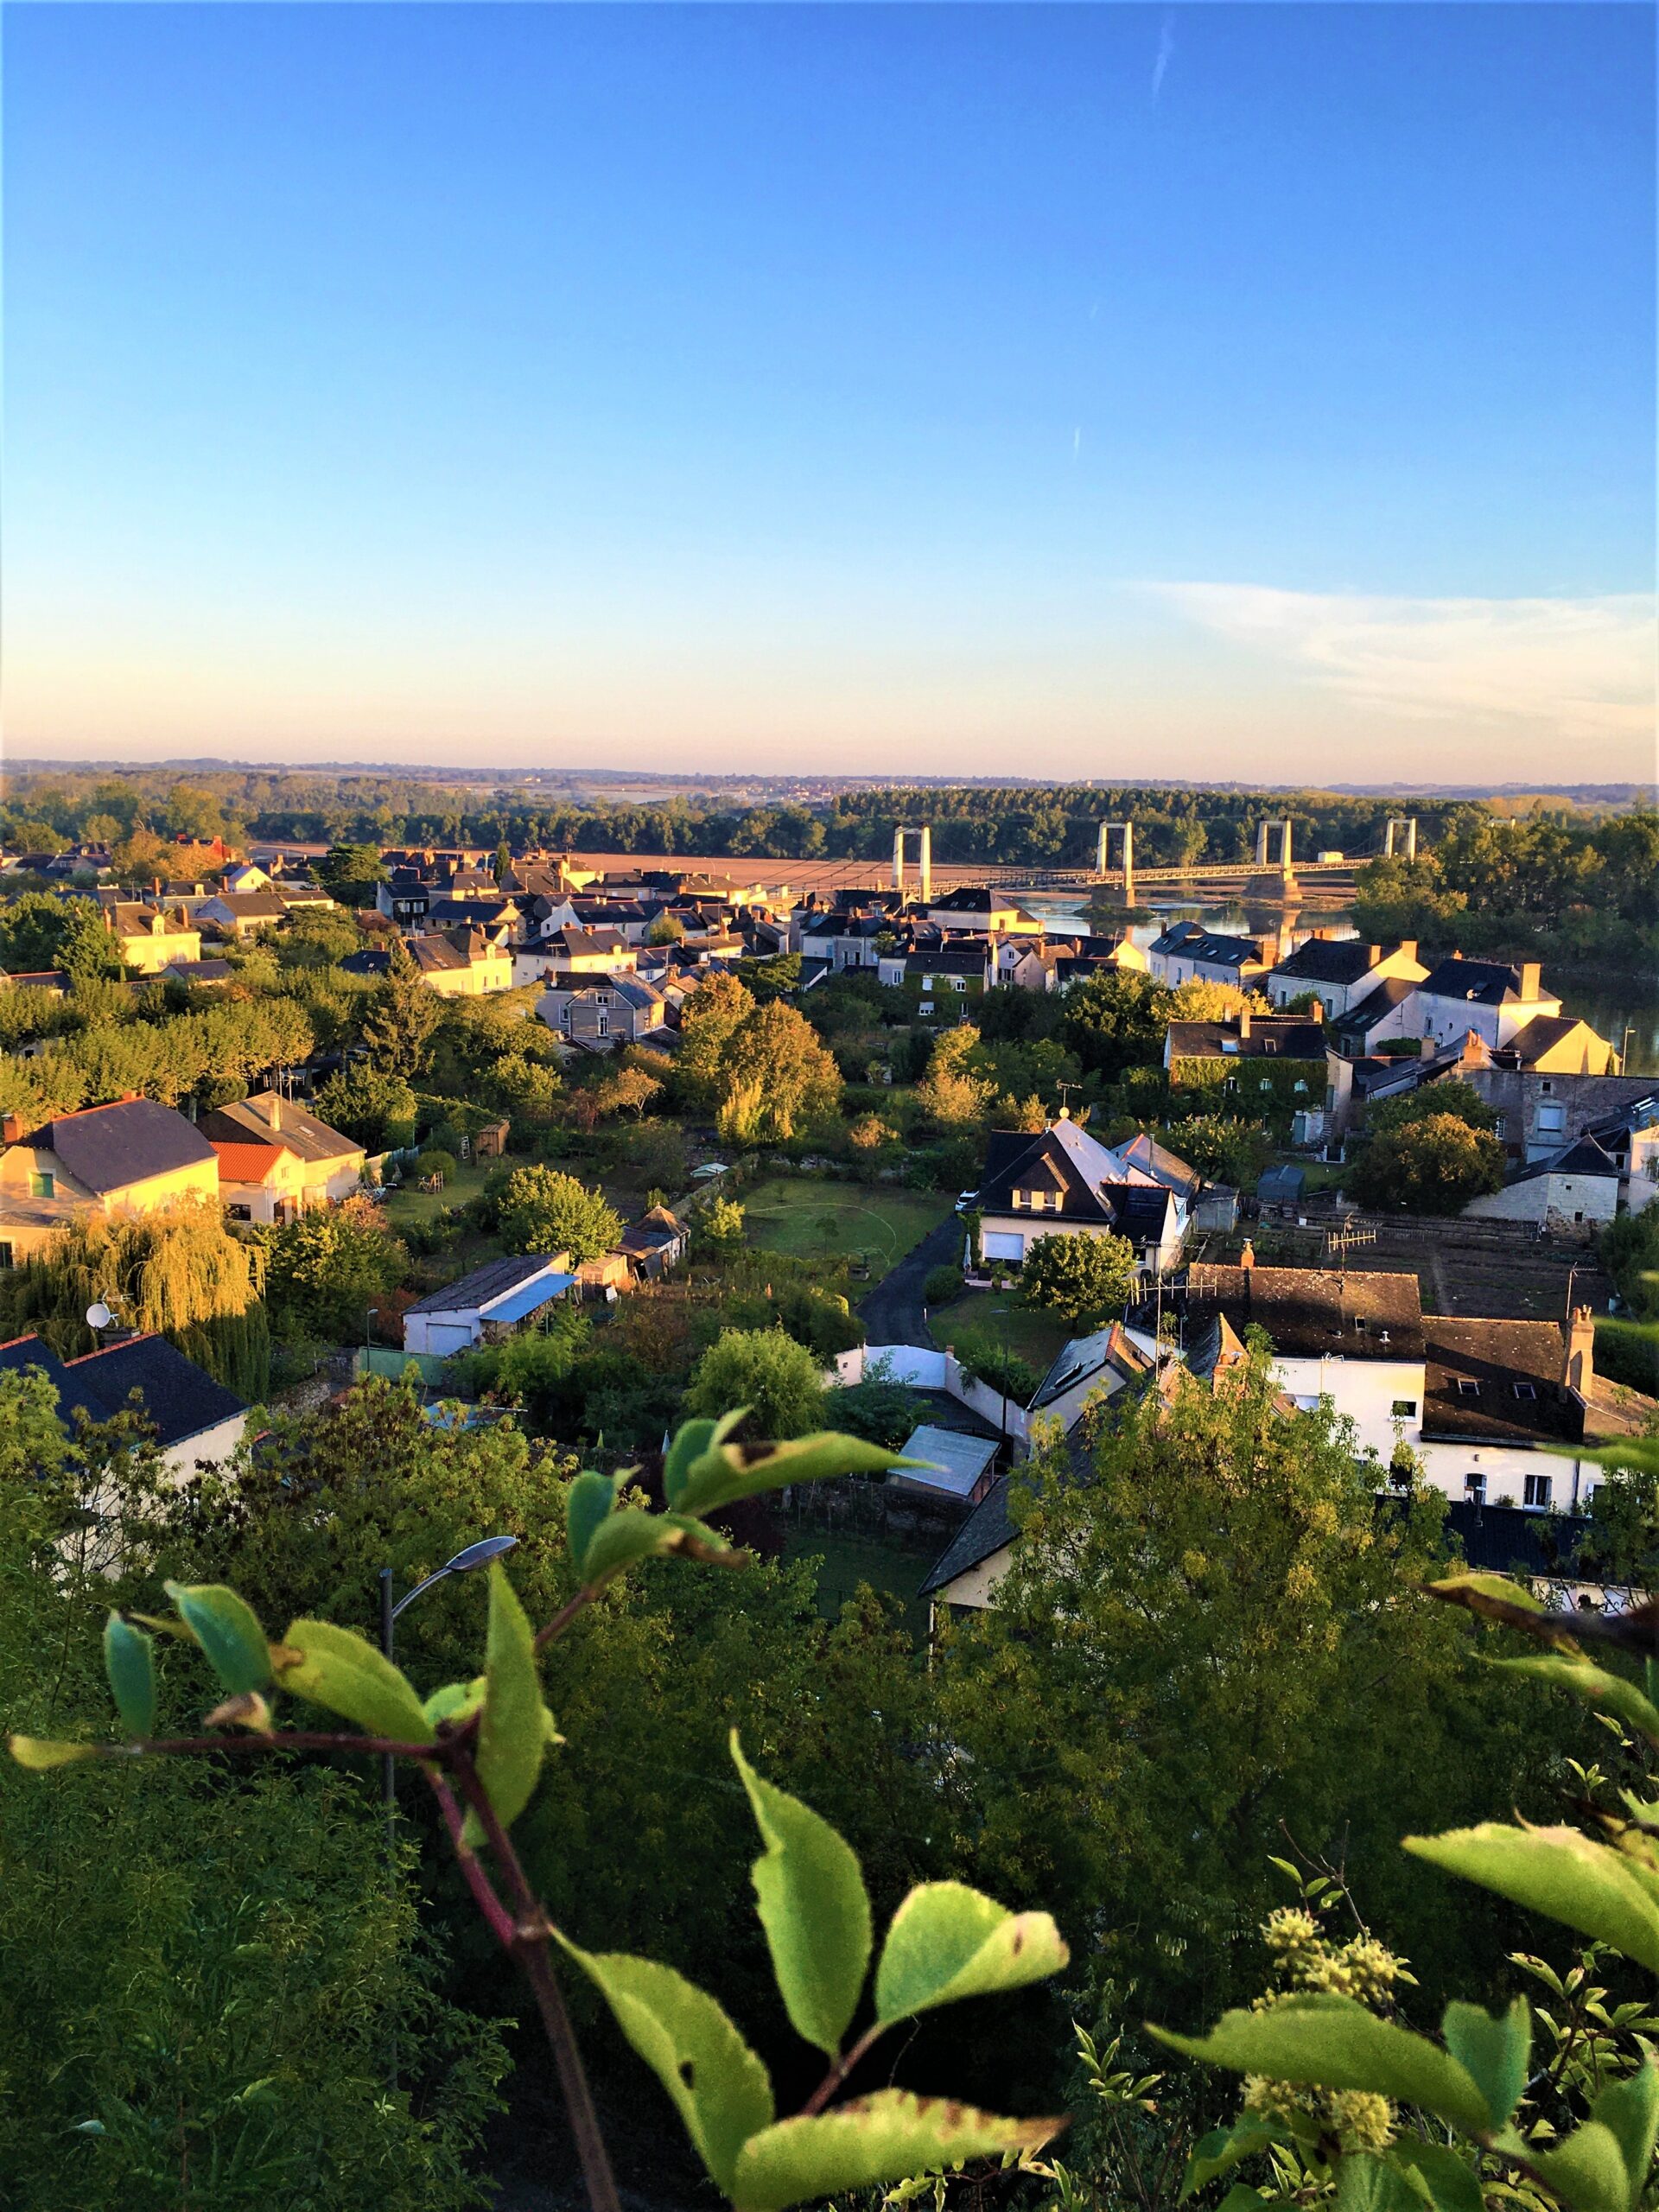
(809, 1219)
(998, 1318)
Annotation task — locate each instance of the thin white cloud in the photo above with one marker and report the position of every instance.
(1166, 51)
(1583, 667)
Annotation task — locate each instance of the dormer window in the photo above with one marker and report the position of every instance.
(1466, 1389)
(1526, 1390)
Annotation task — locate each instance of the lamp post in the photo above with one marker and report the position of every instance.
(372, 1314)
(478, 1554)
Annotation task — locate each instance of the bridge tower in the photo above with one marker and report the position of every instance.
(924, 837)
(1275, 877)
(1103, 856)
(1404, 825)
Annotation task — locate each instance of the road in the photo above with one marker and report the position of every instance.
(892, 1312)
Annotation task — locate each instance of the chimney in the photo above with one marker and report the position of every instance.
(1578, 1367)
(1532, 975)
(1244, 1022)
(277, 1111)
(1246, 1257)
(11, 1128)
(1406, 948)
(1373, 954)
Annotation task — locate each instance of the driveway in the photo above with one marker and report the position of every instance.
(892, 1312)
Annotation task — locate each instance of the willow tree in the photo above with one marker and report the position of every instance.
(177, 1271)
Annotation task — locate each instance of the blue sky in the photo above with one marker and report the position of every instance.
(1227, 390)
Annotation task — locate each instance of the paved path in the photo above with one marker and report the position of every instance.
(892, 1312)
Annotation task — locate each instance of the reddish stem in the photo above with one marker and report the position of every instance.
(566, 1614)
(838, 2073)
(283, 1739)
(497, 1917)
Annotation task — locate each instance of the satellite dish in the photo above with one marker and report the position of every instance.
(98, 1316)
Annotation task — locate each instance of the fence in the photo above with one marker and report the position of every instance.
(922, 1369)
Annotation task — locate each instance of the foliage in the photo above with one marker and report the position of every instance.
(435, 1160)
(1222, 1148)
(765, 1371)
(542, 1211)
(719, 1227)
(214, 1054)
(879, 1408)
(988, 1361)
(1432, 1165)
(396, 1025)
(940, 1285)
(482, 1744)
(39, 932)
(351, 872)
(369, 1105)
(760, 1069)
(531, 1367)
(1117, 1021)
(1083, 1278)
(324, 1269)
(1630, 1252)
(667, 929)
(952, 1093)
(1201, 1002)
(1460, 1100)
(176, 1270)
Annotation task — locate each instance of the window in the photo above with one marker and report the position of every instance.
(1466, 1389)
(1229, 1045)
(1404, 1409)
(1552, 1119)
(5, 1257)
(1474, 1489)
(1534, 1491)
(958, 982)
(926, 1006)
(1299, 1086)
(239, 1213)
(1526, 1390)
(42, 1184)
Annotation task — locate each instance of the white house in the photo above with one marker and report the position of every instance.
(1573, 1194)
(1186, 953)
(1342, 972)
(196, 1418)
(1063, 1182)
(487, 1305)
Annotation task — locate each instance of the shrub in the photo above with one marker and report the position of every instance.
(435, 1161)
(941, 1286)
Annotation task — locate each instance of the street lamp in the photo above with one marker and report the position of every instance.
(372, 1314)
(478, 1554)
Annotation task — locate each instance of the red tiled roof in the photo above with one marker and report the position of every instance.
(245, 1163)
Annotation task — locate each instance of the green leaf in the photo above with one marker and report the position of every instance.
(454, 1702)
(634, 1535)
(814, 1908)
(130, 1663)
(1587, 2170)
(343, 1673)
(884, 2137)
(1469, 1589)
(1630, 2111)
(1449, 2182)
(513, 1733)
(1493, 2049)
(588, 1503)
(691, 1439)
(226, 1627)
(39, 1752)
(722, 2092)
(1556, 1871)
(1366, 2183)
(1595, 1686)
(947, 1940)
(1335, 2044)
(1219, 2152)
(728, 1471)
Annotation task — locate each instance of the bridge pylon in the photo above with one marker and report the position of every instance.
(1405, 826)
(924, 837)
(1103, 851)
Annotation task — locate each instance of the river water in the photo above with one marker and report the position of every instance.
(1611, 1003)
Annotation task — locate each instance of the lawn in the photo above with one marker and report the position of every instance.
(408, 1205)
(844, 1561)
(998, 1318)
(809, 1219)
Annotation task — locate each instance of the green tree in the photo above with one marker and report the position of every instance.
(1460, 1100)
(400, 1017)
(1114, 1023)
(1434, 1164)
(39, 932)
(326, 1269)
(375, 1108)
(719, 1227)
(955, 1092)
(1083, 1280)
(764, 1370)
(666, 929)
(351, 872)
(544, 1210)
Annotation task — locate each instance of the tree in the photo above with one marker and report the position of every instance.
(325, 1269)
(39, 932)
(666, 929)
(367, 1103)
(773, 979)
(177, 1271)
(777, 1076)
(1434, 1164)
(630, 1091)
(400, 1017)
(1216, 1635)
(1461, 1100)
(953, 1093)
(720, 1226)
(1083, 1278)
(712, 1018)
(350, 873)
(1201, 1002)
(544, 1210)
(1114, 1022)
(776, 1378)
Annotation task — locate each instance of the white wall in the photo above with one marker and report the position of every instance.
(1552, 1201)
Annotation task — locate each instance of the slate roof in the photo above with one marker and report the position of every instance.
(1375, 1006)
(1314, 1312)
(457, 949)
(266, 1117)
(1543, 1034)
(251, 906)
(1066, 1158)
(583, 943)
(179, 1398)
(942, 962)
(984, 1533)
(1153, 1159)
(1515, 1368)
(493, 1280)
(1330, 960)
(1215, 951)
(1478, 982)
(1087, 1356)
(374, 960)
(109, 1147)
(1268, 1040)
(1584, 1156)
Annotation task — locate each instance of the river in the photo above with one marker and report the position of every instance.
(1610, 1001)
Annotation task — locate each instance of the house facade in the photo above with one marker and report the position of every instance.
(327, 1168)
(1342, 972)
(134, 1156)
(1064, 1183)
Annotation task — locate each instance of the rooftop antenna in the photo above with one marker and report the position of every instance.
(1065, 1111)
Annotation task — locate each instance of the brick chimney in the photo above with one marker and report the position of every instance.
(1246, 1257)
(1244, 1022)
(11, 1128)
(1578, 1364)
(1532, 975)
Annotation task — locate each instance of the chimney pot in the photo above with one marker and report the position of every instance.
(1579, 1363)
